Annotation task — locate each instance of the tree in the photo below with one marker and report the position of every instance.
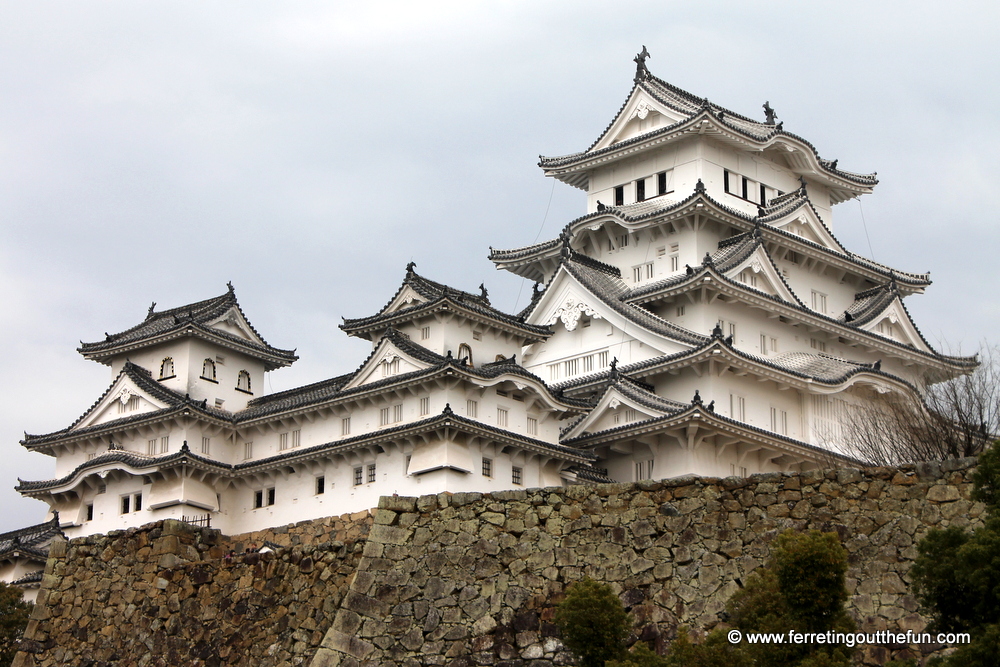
(956, 575)
(802, 588)
(14, 614)
(956, 418)
(593, 623)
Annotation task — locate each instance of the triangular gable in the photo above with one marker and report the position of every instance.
(405, 298)
(613, 410)
(640, 114)
(895, 324)
(233, 323)
(124, 399)
(386, 361)
(758, 272)
(807, 224)
(566, 302)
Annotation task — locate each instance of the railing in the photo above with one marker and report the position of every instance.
(204, 520)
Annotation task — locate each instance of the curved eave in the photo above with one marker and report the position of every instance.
(365, 327)
(45, 443)
(575, 169)
(272, 357)
(699, 413)
(799, 314)
(432, 374)
(137, 464)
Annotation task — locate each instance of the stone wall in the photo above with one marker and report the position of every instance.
(472, 579)
(168, 594)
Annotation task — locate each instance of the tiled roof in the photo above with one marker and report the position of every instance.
(32, 541)
(692, 109)
(143, 380)
(196, 315)
(30, 578)
(589, 474)
(439, 296)
(636, 390)
(185, 456)
(612, 291)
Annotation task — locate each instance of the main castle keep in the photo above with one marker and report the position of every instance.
(700, 318)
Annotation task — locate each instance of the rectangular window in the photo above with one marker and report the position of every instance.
(425, 406)
(675, 263)
(471, 409)
(383, 416)
(640, 190)
(620, 195)
(680, 311)
(642, 272)
(283, 442)
(151, 447)
(515, 475)
(248, 450)
(425, 333)
(91, 456)
(126, 504)
(397, 413)
(270, 496)
(571, 367)
(258, 499)
(90, 511)
(502, 417)
(137, 502)
(487, 467)
(320, 485)
(818, 345)
(745, 188)
(206, 445)
(763, 344)
(763, 195)
(779, 421)
(296, 437)
(371, 473)
(661, 251)
(501, 392)
(728, 329)
(663, 182)
(819, 302)
(345, 426)
(622, 240)
(165, 444)
(738, 407)
(359, 476)
(532, 426)
(477, 335)
(644, 469)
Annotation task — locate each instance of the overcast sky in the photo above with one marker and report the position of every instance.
(307, 151)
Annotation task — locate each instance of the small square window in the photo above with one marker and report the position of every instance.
(359, 476)
(126, 504)
(477, 335)
(515, 475)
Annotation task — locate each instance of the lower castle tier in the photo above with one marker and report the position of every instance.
(700, 318)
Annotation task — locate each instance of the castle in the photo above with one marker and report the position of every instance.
(701, 317)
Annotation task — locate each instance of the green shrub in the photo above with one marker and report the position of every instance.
(593, 623)
(13, 619)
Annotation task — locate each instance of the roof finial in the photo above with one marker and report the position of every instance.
(708, 260)
(697, 398)
(769, 114)
(151, 307)
(802, 180)
(409, 268)
(699, 187)
(614, 368)
(600, 207)
(534, 289)
(229, 284)
(717, 331)
(641, 72)
(482, 289)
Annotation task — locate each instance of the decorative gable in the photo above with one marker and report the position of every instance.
(640, 114)
(808, 226)
(895, 324)
(385, 362)
(124, 399)
(758, 272)
(406, 298)
(232, 322)
(614, 410)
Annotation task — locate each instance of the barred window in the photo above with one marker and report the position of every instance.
(515, 475)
